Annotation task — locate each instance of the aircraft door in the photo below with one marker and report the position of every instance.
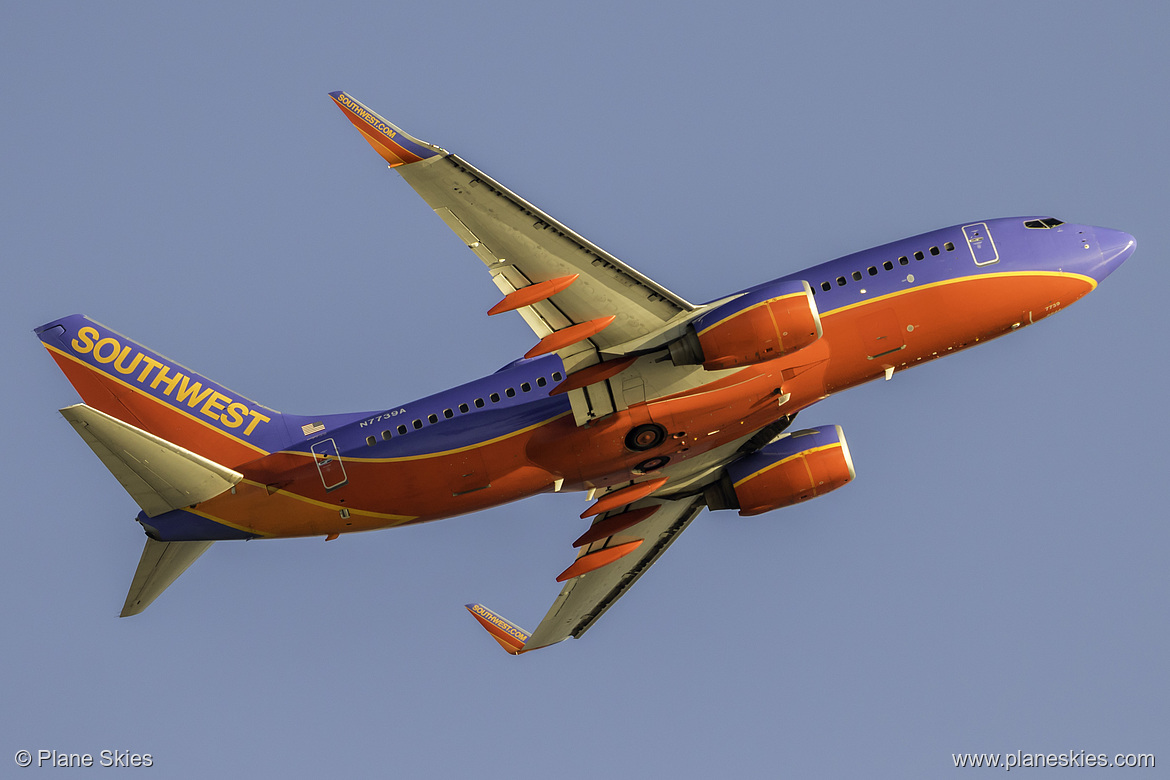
(981, 244)
(329, 464)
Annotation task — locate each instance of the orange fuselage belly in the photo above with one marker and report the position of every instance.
(860, 343)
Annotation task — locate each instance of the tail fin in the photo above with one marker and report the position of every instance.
(125, 380)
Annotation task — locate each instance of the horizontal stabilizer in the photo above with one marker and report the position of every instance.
(160, 565)
(158, 475)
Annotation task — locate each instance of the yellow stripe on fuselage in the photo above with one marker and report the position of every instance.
(998, 275)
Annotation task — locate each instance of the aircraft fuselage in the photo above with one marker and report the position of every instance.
(504, 437)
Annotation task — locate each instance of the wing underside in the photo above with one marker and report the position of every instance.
(584, 599)
(617, 549)
(521, 246)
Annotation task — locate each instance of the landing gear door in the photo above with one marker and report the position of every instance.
(329, 464)
(981, 244)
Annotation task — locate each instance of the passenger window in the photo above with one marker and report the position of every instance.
(918, 255)
(386, 435)
(903, 260)
(872, 271)
(826, 286)
(510, 393)
(934, 250)
(401, 430)
(949, 246)
(371, 441)
(464, 408)
(541, 381)
(857, 276)
(495, 398)
(840, 281)
(888, 265)
(525, 387)
(557, 376)
(417, 425)
(432, 418)
(448, 413)
(478, 403)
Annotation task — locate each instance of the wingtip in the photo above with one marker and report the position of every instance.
(509, 635)
(391, 143)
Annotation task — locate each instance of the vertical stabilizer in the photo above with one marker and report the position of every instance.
(125, 380)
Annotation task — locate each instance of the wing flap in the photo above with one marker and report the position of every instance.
(158, 475)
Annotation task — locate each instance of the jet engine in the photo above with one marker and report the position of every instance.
(764, 323)
(797, 467)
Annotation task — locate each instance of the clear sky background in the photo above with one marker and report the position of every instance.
(994, 580)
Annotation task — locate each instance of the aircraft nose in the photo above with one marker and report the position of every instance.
(1116, 246)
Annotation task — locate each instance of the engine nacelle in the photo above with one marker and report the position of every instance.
(767, 322)
(802, 465)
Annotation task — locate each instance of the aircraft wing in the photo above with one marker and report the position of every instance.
(613, 554)
(554, 277)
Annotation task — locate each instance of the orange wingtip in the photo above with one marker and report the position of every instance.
(595, 560)
(533, 293)
(510, 636)
(626, 495)
(392, 144)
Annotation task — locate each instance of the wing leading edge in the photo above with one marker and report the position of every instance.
(523, 247)
(617, 549)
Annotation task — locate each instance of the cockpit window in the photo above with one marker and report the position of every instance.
(1043, 224)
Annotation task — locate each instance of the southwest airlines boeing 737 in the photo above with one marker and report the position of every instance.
(653, 406)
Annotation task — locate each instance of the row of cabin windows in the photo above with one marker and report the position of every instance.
(888, 265)
(478, 403)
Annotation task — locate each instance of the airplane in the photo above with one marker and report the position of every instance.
(654, 407)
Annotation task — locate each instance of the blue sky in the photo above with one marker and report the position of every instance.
(994, 580)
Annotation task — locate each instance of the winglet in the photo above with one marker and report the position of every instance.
(395, 147)
(510, 636)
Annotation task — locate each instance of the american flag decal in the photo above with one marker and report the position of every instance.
(312, 428)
